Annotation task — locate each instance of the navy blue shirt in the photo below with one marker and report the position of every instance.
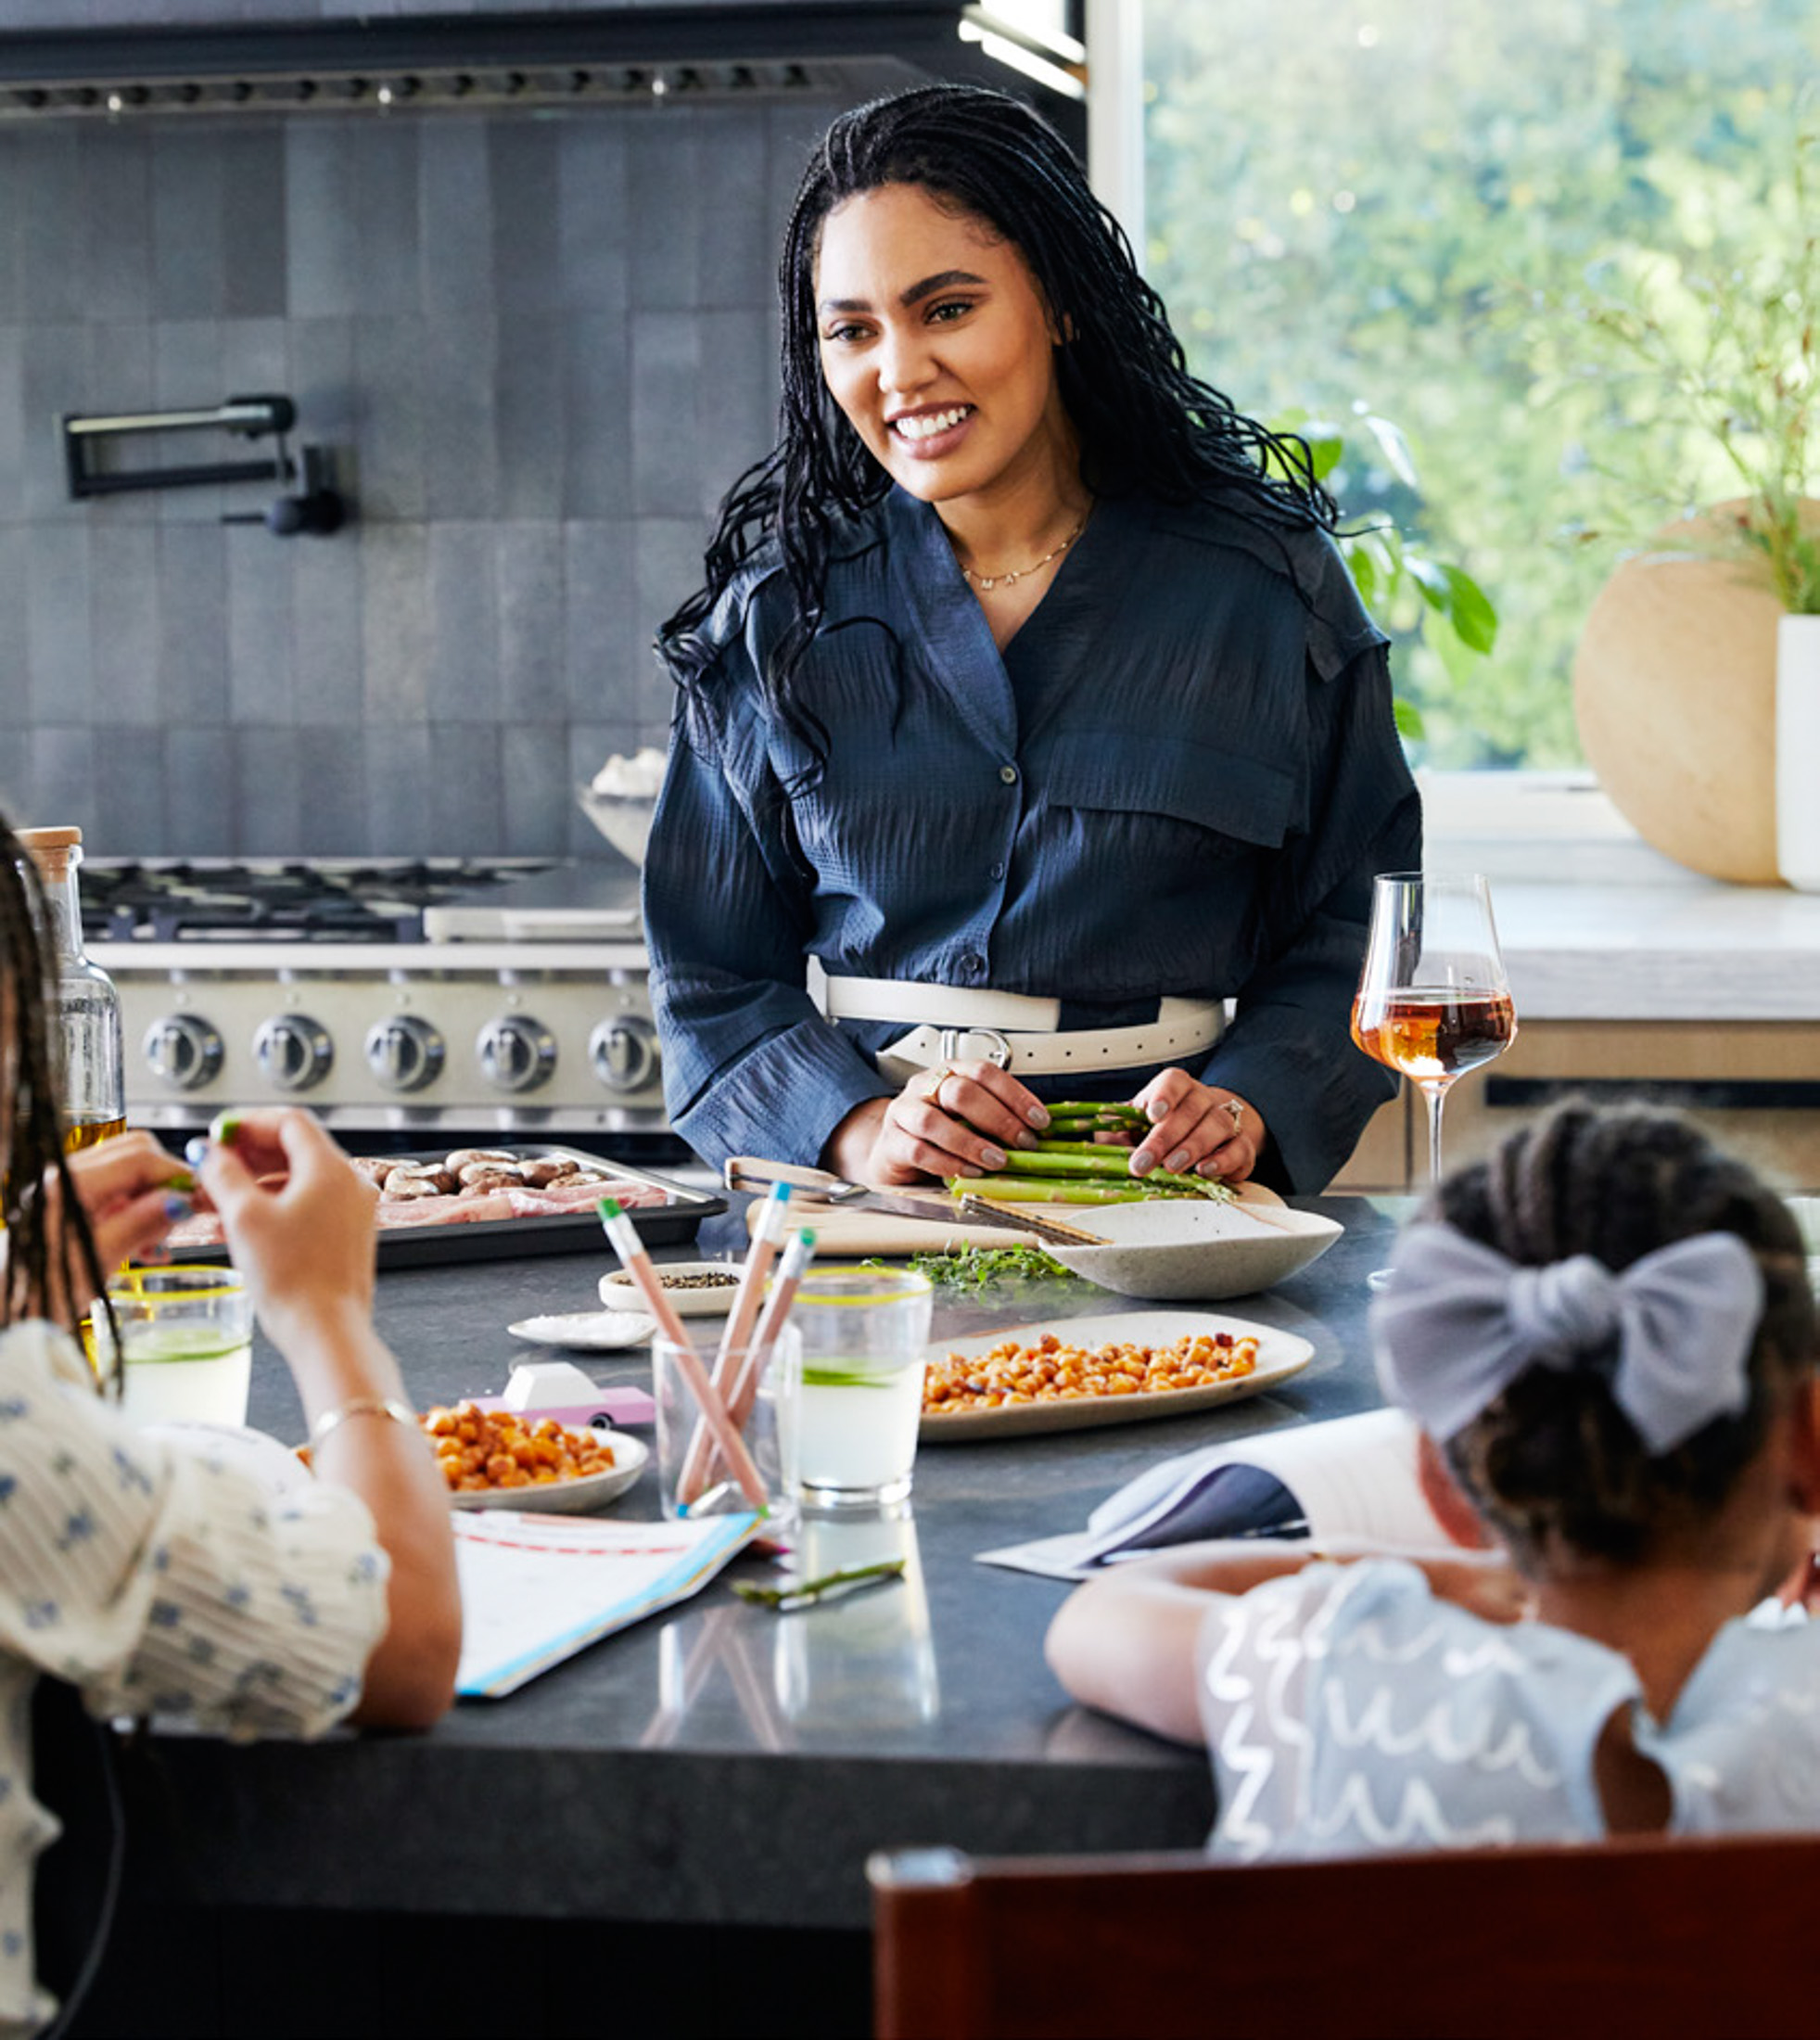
(1178, 779)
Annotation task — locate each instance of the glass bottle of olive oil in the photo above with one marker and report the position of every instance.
(90, 1063)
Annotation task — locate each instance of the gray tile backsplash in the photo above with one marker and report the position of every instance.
(536, 349)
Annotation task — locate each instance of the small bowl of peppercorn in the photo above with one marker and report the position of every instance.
(698, 1289)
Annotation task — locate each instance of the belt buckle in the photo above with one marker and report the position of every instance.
(998, 1051)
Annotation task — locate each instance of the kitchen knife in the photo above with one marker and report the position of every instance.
(746, 1172)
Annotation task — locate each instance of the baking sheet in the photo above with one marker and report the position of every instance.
(667, 1224)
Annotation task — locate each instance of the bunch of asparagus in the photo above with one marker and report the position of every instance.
(1068, 1167)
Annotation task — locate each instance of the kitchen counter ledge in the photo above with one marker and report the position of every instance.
(1597, 926)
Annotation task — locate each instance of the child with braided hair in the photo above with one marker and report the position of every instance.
(1607, 1336)
(149, 1575)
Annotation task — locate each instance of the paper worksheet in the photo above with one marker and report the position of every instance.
(536, 1589)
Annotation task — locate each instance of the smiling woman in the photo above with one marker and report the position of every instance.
(1027, 694)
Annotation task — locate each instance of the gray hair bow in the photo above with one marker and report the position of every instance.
(1459, 1322)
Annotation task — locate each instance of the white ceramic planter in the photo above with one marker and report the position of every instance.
(1798, 751)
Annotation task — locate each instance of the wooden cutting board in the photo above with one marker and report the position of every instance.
(838, 1233)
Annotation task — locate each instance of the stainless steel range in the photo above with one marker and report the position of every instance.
(434, 997)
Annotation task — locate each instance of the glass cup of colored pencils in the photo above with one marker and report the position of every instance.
(694, 1478)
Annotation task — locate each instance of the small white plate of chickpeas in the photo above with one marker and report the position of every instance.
(498, 1459)
(1072, 1374)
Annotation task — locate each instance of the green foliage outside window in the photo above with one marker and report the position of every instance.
(1383, 208)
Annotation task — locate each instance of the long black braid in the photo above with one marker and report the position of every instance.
(1553, 1464)
(46, 1261)
(1142, 418)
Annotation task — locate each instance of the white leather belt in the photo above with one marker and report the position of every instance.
(1018, 1032)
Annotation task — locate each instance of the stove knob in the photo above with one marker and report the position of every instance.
(184, 1052)
(516, 1053)
(405, 1053)
(624, 1053)
(293, 1052)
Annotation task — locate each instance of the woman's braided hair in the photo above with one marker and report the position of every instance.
(1553, 1465)
(44, 1261)
(1142, 419)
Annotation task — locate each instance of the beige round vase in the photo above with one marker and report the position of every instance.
(1674, 693)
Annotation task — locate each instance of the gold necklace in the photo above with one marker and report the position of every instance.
(987, 582)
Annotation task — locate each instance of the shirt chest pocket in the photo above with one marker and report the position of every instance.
(1240, 803)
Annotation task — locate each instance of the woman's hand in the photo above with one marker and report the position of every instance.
(298, 1220)
(957, 1119)
(1194, 1127)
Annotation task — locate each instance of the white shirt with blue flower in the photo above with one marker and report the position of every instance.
(159, 1578)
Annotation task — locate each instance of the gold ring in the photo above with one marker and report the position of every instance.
(930, 1091)
(1234, 1109)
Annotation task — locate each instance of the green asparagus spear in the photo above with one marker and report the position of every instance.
(1073, 1158)
(1089, 1190)
(1047, 1145)
(806, 1593)
(1078, 1108)
(1091, 1160)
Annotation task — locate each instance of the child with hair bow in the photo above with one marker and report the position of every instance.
(1607, 1338)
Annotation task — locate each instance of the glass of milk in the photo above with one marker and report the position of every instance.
(865, 1331)
(187, 1339)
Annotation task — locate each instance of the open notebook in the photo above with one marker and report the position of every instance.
(1349, 1481)
(536, 1589)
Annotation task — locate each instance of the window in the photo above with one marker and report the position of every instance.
(1392, 204)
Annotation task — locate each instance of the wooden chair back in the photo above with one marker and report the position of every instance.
(1642, 1939)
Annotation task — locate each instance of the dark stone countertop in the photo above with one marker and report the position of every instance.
(722, 1763)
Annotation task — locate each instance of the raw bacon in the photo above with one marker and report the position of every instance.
(396, 1212)
(572, 1197)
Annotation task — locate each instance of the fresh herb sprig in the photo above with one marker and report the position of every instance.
(977, 1267)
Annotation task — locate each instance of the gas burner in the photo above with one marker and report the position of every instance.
(331, 901)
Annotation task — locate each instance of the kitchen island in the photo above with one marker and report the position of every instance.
(715, 1778)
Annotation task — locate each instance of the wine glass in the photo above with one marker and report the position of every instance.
(1434, 1001)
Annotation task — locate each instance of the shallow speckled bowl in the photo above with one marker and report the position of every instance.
(1178, 1250)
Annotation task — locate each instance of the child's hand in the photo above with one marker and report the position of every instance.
(131, 1189)
(299, 1219)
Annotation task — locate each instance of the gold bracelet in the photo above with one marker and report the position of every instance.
(361, 1406)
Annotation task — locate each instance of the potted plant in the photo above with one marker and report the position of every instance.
(1712, 360)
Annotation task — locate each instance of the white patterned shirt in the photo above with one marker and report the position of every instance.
(159, 1579)
(1349, 1711)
